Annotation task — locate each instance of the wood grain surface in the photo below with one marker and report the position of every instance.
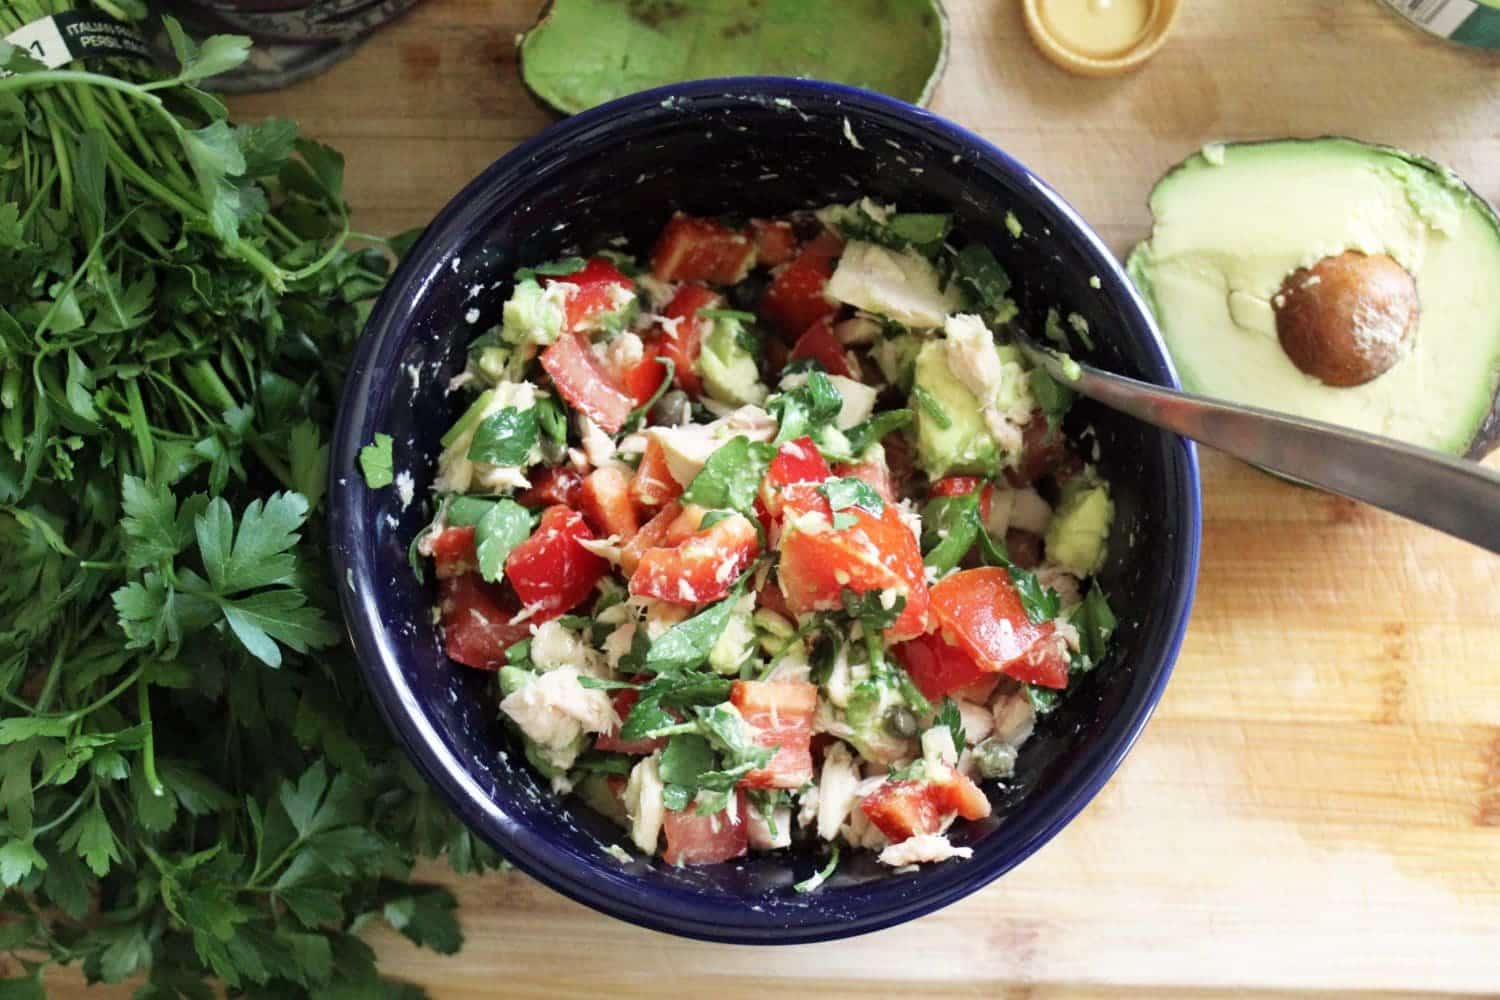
(1315, 808)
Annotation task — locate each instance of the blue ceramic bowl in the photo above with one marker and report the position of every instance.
(749, 146)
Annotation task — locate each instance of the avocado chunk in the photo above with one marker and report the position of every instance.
(1079, 529)
(951, 436)
(1331, 279)
(728, 369)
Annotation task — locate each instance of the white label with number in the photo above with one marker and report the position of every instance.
(43, 42)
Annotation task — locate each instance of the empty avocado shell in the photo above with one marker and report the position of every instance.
(584, 52)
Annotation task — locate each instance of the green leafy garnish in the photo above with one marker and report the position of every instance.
(505, 437)
(376, 463)
(930, 406)
(553, 269)
(1051, 396)
(814, 881)
(848, 491)
(948, 715)
(1095, 623)
(687, 644)
(708, 312)
(504, 526)
(807, 408)
(731, 477)
(862, 435)
(983, 280)
(196, 792)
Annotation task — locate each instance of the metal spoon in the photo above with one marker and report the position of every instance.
(1450, 494)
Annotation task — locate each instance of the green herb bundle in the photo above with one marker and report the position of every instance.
(193, 785)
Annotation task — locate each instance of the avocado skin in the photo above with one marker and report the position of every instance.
(1487, 436)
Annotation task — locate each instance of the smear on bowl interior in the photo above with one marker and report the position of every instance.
(770, 536)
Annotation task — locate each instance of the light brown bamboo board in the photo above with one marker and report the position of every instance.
(1315, 808)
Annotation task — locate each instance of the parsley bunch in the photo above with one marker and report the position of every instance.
(193, 783)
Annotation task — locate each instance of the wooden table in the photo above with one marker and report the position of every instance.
(1315, 808)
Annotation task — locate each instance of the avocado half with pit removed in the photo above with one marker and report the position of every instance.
(1331, 279)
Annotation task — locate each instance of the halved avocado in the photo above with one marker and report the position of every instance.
(1332, 279)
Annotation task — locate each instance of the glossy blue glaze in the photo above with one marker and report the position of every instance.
(749, 146)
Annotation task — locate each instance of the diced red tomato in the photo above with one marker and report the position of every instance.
(775, 241)
(958, 486)
(700, 569)
(606, 502)
(683, 341)
(599, 285)
(453, 552)
(875, 553)
(476, 622)
(937, 667)
(876, 474)
(782, 714)
(624, 700)
(696, 249)
(902, 809)
(555, 484)
(1042, 447)
(550, 570)
(980, 611)
(796, 461)
(652, 534)
(818, 343)
(952, 791)
(705, 840)
(641, 380)
(583, 381)
(771, 598)
(794, 300)
(653, 484)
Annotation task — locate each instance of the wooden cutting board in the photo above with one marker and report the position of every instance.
(1315, 808)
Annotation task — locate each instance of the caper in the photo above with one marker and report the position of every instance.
(901, 721)
(995, 759)
(673, 409)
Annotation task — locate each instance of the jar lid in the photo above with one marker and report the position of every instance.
(1100, 37)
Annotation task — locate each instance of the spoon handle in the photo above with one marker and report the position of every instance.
(1452, 495)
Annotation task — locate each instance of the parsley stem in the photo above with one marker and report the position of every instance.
(148, 747)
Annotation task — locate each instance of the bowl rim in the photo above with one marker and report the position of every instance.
(401, 707)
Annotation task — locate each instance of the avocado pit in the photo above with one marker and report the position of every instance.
(1348, 318)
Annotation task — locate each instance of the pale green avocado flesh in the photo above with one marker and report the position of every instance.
(1233, 221)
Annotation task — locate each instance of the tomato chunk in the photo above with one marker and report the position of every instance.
(681, 335)
(696, 249)
(701, 568)
(641, 380)
(705, 840)
(653, 484)
(902, 809)
(877, 552)
(952, 791)
(937, 667)
(555, 484)
(476, 620)
(652, 534)
(453, 552)
(797, 461)
(782, 714)
(775, 241)
(606, 502)
(585, 384)
(794, 300)
(980, 611)
(819, 344)
(601, 289)
(624, 700)
(550, 571)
